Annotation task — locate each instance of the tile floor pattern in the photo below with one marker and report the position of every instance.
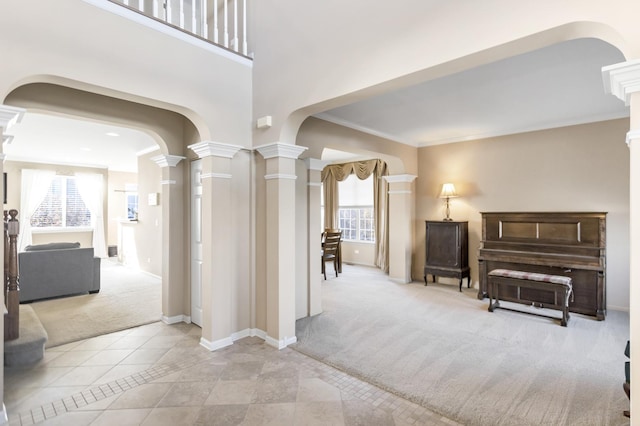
(158, 375)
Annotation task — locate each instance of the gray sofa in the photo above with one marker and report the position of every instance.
(57, 269)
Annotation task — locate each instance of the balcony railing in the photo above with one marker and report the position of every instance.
(222, 22)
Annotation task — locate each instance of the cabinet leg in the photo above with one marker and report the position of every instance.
(460, 284)
(425, 280)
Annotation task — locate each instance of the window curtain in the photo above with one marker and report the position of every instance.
(91, 189)
(335, 173)
(34, 187)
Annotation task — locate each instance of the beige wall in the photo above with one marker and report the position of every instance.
(259, 165)
(318, 134)
(148, 230)
(302, 225)
(359, 253)
(242, 248)
(578, 168)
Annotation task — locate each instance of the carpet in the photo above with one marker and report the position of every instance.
(442, 349)
(127, 299)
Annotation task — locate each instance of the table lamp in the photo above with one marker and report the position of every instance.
(448, 191)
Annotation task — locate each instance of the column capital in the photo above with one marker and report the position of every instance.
(279, 149)
(214, 149)
(400, 178)
(633, 135)
(9, 116)
(167, 160)
(622, 79)
(315, 164)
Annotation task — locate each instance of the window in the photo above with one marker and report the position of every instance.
(132, 206)
(62, 207)
(355, 211)
(131, 195)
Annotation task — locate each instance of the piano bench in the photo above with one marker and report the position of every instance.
(558, 284)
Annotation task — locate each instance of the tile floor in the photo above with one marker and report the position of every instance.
(158, 375)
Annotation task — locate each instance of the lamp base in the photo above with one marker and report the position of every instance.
(447, 219)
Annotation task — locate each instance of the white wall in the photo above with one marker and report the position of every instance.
(319, 58)
(88, 48)
(117, 201)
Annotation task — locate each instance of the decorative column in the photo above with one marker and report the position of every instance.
(217, 240)
(314, 196)
(401, 202)
(172, 203)
(623, 80)
(8, 117)
(281, 241)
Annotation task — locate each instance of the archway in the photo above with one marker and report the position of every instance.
(171, 132)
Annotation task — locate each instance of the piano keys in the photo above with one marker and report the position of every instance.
(555, 243)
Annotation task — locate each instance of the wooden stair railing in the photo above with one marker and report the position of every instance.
(12, 299)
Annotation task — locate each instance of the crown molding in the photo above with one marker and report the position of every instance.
(632, 135)
(279, 149)
(622, 79)
(167, 160)
(214, 149)
(216, 176)
(399, 178)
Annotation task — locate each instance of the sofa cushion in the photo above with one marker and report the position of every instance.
(52, 246)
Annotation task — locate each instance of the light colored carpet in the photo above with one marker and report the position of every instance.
(443, 349)
(127, 299)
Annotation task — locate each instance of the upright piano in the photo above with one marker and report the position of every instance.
(562, 243)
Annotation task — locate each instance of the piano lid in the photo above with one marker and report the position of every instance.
(566, 228)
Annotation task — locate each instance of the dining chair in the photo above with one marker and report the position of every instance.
(330, 244)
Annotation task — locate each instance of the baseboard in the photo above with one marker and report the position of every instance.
(227, 341)
(618, 308)
(176, 319)
(279, 344)
(218, 344)
(241, 334)
(282, 343)
(256, 332)
(247, 332)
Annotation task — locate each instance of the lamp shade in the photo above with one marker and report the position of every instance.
(448, 191)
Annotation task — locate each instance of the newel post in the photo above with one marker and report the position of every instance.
(11, 325)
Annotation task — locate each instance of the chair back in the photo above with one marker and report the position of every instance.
(330, 243)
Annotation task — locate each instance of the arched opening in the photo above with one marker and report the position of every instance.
(140, 211)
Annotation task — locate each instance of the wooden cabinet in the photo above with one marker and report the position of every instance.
(447, 250)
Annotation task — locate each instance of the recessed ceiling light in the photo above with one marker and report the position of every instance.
(112, 134)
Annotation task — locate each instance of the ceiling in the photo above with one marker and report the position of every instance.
(556, 86)
(53, 139)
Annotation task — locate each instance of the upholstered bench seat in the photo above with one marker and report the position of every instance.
(560, 285)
